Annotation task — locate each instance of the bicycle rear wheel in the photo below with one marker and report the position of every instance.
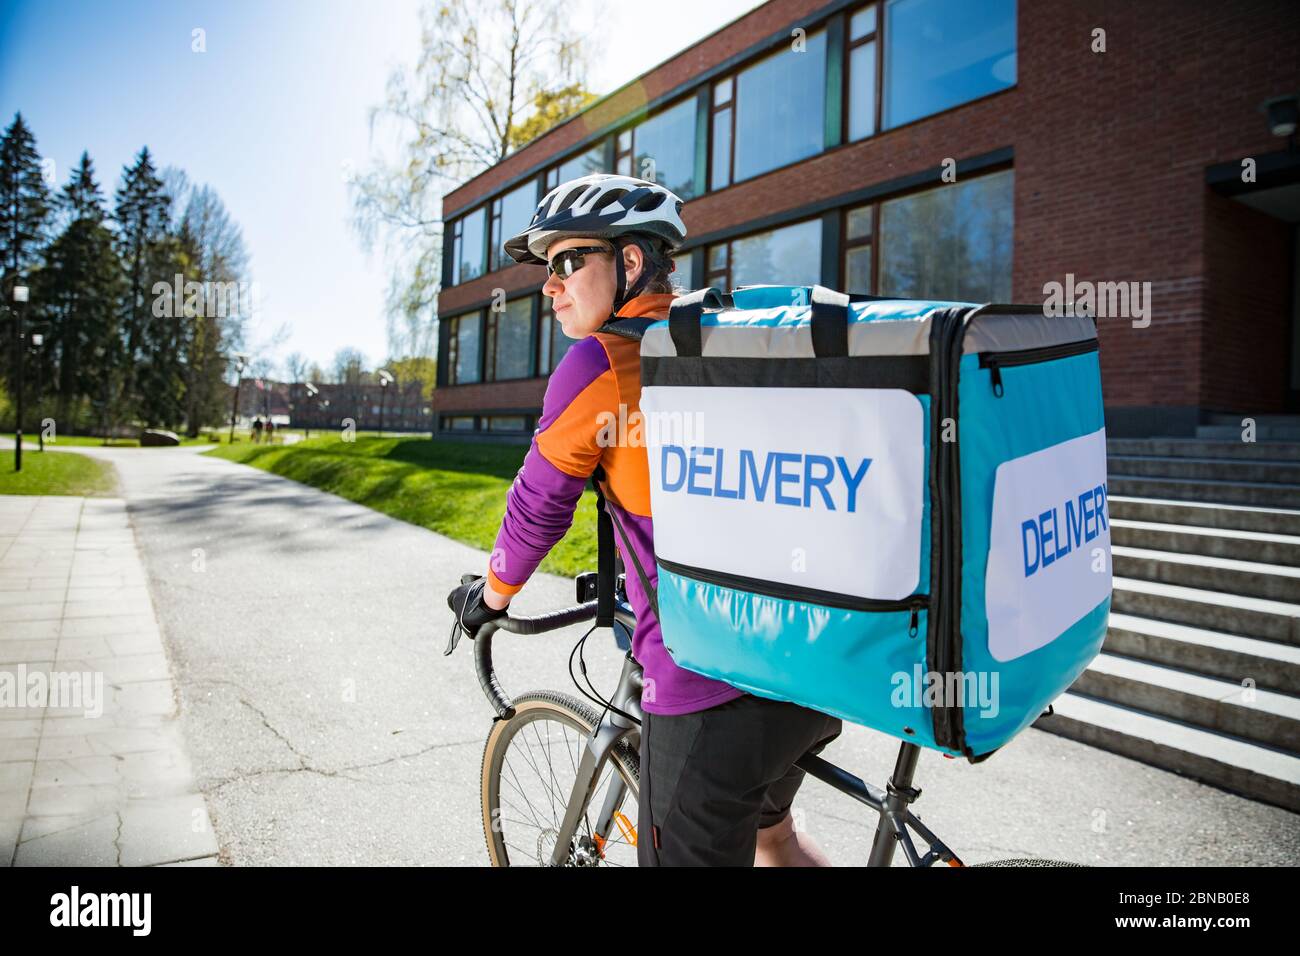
(530, 763)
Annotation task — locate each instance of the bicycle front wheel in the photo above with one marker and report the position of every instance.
(530, 765)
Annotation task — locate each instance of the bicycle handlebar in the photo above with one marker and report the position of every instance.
(538, 624)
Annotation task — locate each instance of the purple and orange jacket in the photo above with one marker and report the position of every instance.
(599, 377)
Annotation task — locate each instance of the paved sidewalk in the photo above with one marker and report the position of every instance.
(105, 781)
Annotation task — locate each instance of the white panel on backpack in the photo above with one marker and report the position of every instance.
(1049, 544)
(817, 488)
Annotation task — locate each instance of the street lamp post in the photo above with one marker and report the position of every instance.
(20, 297)
(312, 392)
(37, 341)
(385, 379)
(241, 360)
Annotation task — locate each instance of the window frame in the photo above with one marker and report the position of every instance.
(847, 244)
(453, 346)
(876, 37)
(491, 341)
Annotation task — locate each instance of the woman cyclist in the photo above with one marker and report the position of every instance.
(717, 765)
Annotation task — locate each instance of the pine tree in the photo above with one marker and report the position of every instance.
(142, 215)
(24, 213)
(79, 292)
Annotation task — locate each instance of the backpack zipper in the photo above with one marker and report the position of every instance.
(996, 361)
(789, 592)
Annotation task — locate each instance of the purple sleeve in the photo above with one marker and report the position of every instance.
(542, 499)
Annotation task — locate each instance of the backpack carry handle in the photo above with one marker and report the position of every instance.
(684, 319)
(830, 322)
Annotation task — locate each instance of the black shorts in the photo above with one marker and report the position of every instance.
(710, 780)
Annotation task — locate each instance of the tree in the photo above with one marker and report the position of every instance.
(24, 213)
(24, 199)
(218, 264)
(491, 77)
(142, 215)
(78, 295)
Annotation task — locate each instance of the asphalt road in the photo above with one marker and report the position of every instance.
(325, 726)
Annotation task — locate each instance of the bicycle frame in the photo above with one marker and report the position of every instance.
(897, 822)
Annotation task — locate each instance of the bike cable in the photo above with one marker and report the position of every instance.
(594, 695)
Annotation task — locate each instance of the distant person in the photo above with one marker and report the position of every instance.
(257, 429)
(270, 430)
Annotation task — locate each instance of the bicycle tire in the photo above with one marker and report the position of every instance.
(529, 709)
(1030, 862)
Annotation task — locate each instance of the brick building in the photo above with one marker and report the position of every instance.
(826, 163)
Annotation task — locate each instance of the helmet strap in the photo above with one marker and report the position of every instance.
(623, 295)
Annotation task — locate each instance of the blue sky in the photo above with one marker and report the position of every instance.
(270, 116)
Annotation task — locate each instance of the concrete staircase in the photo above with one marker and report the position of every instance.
(1200, 672)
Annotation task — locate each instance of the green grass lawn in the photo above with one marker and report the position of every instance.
(56, 473)
(455, 488)
(29, 439)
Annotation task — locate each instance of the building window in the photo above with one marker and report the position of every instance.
(507, 423)
(863, 80)
(469, 235)
(552, 343)
(507, 340)
(511, 214)
(463, 349)
(584, 164)
(941, 53)
(458, 423)
(859, 247)
(661, 149)
(723, 125)
(682, 278)
(791, 255)
(773, 114)
(949, 243)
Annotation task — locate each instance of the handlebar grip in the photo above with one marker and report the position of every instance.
(487, 677)
(550, 621)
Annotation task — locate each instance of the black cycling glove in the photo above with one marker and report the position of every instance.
(466, 602)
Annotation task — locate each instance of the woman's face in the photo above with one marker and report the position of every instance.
(583, 301)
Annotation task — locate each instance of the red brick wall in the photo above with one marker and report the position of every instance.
(1110, 157)
(1111, 151)
(1247, 300)
(521, 393)
(713, 49)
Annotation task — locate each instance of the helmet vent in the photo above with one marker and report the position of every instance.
(568, 200)
(613, 196)
(652, 201)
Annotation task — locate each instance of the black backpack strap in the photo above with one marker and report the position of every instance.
(684, 319)
(629, 328)
(830, 322)
(606, 524)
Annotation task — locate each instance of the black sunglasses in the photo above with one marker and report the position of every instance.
(569, 261)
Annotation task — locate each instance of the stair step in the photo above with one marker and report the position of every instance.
(1264, 716)
(1230, 657)
(1279, 549)
(1263, 433)
(1202, 514)
(1259, 418)
(1213, 610)
(1259, 772)
(1250, 578)
(1263, 493)
(1234, 449)
(1209, 469)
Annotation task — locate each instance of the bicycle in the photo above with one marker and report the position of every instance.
(603, 751)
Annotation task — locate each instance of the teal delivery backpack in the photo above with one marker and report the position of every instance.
(891, 511)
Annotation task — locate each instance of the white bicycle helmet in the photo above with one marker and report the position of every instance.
(609, 207)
